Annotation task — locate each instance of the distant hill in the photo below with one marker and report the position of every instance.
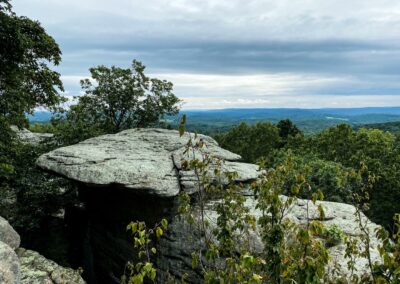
(393, 127)
(309, 120)
(40, 117)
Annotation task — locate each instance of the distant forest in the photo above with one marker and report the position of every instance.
(308, 120)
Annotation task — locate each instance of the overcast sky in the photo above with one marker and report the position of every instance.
(236, 53)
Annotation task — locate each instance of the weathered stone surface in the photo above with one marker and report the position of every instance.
(36, 269)
(9, 265)
(8, 235)
(31, 137)
(245, 173)
(18, 265)
(175, 250)
(147, 160)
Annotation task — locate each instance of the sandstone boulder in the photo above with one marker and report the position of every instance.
(147, 160)
(8, 235)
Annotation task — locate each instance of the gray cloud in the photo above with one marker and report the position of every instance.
(313, 50)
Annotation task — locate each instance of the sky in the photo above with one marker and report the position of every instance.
(236, 53)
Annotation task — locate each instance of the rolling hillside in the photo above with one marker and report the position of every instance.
(309, 120)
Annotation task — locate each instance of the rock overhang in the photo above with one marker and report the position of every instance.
(146, 160)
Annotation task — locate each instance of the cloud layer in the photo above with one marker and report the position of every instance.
(295, 53)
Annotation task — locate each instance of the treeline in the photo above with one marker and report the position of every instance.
(393, 126)
(332, 156)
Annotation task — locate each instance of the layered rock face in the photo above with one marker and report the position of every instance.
(137, 174)
(18, 265)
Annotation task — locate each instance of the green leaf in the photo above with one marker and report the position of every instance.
(137, 279)
(159, 232)
(257, 278)
(164, 224)
(134, 228)
(153, 274)
(147, 267)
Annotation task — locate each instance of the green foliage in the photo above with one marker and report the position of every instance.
(39, 196)
(26, 80)
(292, 253)
(348, 147)
(361, 199)
(389, 271)
(120, 99)
(378, 150)
(303, 258)
(143, 269)
(334, 156)
(335, 181)
(74, 127)
(5, 5)
(41, 128)
(228, 257)
(28, 197)
(287, 130)
(333, 236)
(393, 127)
(251, 142)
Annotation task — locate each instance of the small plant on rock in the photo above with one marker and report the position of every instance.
(143, 270)
(333, 236)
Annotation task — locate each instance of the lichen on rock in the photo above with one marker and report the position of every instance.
(36, 269)
(18, 265)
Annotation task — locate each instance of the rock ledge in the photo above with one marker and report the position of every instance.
(147, 160)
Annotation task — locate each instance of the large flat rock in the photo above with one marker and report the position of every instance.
(146, 160)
